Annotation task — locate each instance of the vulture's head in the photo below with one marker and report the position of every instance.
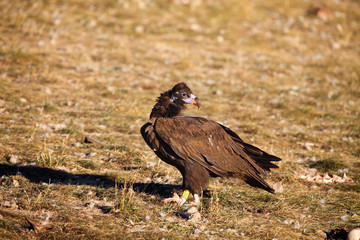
(181, 94)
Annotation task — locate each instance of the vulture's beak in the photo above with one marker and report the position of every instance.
(196, 102)
(193, 100)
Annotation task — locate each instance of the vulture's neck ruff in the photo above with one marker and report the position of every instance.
(172, 102)
(166, 107)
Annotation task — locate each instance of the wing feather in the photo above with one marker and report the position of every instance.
(149, 136)
(261, 157)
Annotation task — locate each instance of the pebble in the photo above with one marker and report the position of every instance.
(278, 187)
(345, 217)
(90, 154)
(15, 183)
(232, 231)
(139, 29)
(321, 233)
(10, 204)
(297, 225)
(335, 45)
(91, 205)
(218, 92)
(14, 159)
(288, 221)
(195, 218)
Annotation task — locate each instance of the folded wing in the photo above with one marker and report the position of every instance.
(216, 148)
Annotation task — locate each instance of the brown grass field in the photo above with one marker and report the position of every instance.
(285, 78)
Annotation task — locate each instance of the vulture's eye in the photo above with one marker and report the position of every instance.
(184, 94)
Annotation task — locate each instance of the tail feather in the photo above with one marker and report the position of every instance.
(263, 159)
(254, 180)
(259, 182)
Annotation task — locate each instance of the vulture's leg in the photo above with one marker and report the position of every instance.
(179, 200)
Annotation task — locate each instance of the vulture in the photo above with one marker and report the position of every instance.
(201, 148)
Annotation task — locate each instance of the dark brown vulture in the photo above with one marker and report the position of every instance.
(200, 148)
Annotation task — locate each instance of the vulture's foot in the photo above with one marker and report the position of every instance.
(179, 200)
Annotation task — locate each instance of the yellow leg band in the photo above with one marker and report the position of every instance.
(185, 194)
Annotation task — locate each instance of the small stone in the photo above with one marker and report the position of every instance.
(139, 29)
(321, 233)
(163, 229)
(57, 126)
(345, 217)
(232, 231)
(195, 218)
(15, 183)
(195, 27)
(297, 225)
(10, 204)
(89, 192)
(162, 214)
(6, 204)
(170, 219)
(91, 204)
(335, 45)
(278, 187)
(202, 228)
(14, 159)
(218, 92)
(90, 154)
(23, 100)
(288, 221)
(41, 43)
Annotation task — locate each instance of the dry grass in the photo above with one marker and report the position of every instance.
(285, 81)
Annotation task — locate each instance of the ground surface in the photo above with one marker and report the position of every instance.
(281, 75)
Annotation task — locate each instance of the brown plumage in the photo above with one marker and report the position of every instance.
(200, 148)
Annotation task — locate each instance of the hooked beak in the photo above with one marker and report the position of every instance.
(193, 100)
(196, 102)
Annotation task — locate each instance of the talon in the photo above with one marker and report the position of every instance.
(179, 200)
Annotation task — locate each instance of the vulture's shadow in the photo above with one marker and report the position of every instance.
(47, 175)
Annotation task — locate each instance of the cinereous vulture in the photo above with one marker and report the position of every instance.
(201, 148)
